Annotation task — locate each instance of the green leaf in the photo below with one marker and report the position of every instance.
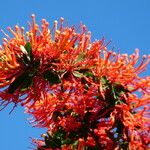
(55, 115)
(96, 79)
(119, 126)
(104, 80)
(75, 144)
(36, 64)
(26, 83)
(96, 147)
(51, 143)
(118, 102)
(86, 72)
(2, 58)
(120, 88)
(17, 82)
(86, 87)
(77, 74)
(117, 90)
(28, 48)
(47, 141)
(26, 59)
(80, 57)
(66, 141)
(52, 77)
(130, 88)
(124, 145)
(74, 114)
(55, 60)
(62, 87)
(114, 92)
(59, 134)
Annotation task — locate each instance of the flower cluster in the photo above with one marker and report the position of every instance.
(88, 97)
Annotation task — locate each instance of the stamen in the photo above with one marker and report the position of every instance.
(61, 23)
(33, 20)
(22, 33)
(5, 34)
(142, 65)
(55, 24)
(9, 29)
(16, 28)
(5, 40)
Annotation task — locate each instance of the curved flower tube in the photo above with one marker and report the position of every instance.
(84, 94)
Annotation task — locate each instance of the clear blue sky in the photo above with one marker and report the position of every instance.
(126, 22)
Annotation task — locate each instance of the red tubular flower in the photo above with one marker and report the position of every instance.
(83, 93)
(36, 55)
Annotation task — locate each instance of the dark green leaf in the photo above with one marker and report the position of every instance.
(62, 88)
(60, 133)
(1, 58)
(119, 88)
(22, 59)
(119, 126)
(51, 143)
(55, 115)
(49, 136)
(77, 74)
(75, 144)
(42, 147)
(93, 148)
(118, 102)
(17, 82)
(84, 70)
(67, 75)
(86, 86)
(52, 77)
(110, 135)
(114, 92)
(26, 59)
(66, 141)
(104, 80)
(55, 60)
(36, 64)
(88, 74)
(26, 83)
(83, 81)
(74, 114)
(124, 145)
(28, 48)
(80, 57)
(95, 79)
(47, 140)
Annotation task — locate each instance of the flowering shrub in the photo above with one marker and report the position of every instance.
(88, 97)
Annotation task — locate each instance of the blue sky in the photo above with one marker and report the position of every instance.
(126, 22)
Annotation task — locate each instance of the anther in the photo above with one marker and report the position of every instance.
(62, 19)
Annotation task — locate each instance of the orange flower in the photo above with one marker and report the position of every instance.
(69, 84)
(37, 54)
